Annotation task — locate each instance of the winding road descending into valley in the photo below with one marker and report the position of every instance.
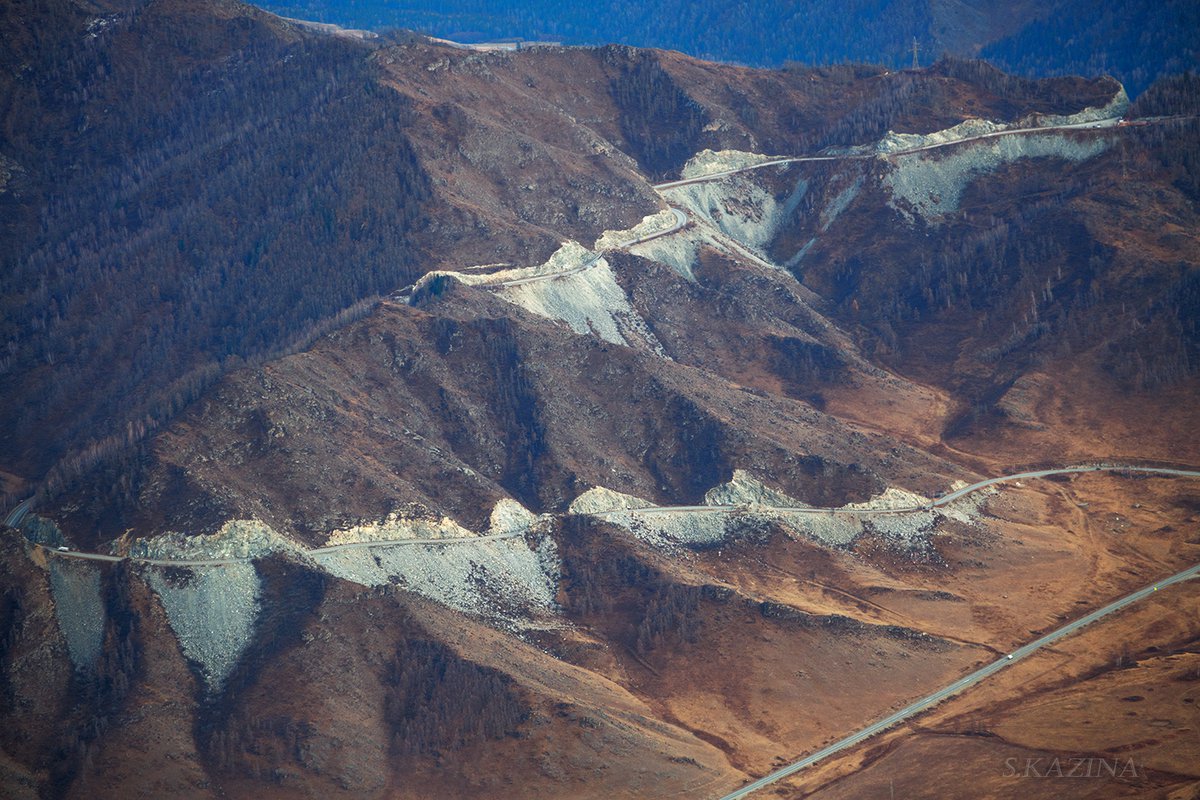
(963, 683)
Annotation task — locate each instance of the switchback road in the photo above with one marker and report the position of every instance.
(681, 218)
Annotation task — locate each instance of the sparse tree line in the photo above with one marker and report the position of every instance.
(434, 703)
(908, 101)
(804, 364)
(1174, 96)
(99, 691)
(1162, 344)
(1138, 41)
(518, 411)
(820, 32)
(670, 618)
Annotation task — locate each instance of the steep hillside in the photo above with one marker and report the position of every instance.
(176, 164)
(221, 187)
(409, 421)
(999, 264)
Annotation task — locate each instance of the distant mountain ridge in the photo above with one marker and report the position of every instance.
(1135, 42)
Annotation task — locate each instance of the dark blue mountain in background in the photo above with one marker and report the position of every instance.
(1134, 41)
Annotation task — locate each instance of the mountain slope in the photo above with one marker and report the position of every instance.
(616, 488)
(228, 229)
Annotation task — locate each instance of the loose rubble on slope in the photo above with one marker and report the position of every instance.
(930, 186)
(590, 302)
(745, 488)
(649, 226)
(708, 162)
(737, 207)
(901, 518)
(893, 142)
(79, 608)
(1110, 111)
(506, 581)
(500, 575)
(732, 215)
(507, 574)
(508, 518)
(212, 611)
(575, 286)
(237, 538)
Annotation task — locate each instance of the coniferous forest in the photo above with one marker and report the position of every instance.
(225, 229)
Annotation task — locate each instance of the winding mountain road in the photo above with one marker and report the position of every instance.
(681, 217)
(712, 176)
(944, 500)
(680, 220)
(964, 683)
(315, 553)
(16, 516)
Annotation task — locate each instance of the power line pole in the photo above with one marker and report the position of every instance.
(916, 47)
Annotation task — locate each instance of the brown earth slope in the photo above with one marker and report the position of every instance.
(871, 330)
